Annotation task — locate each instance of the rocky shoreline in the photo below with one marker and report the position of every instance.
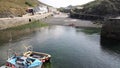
(64, 20)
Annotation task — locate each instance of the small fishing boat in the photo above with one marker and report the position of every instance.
(29, 59)
(38, 55)
(22, 62)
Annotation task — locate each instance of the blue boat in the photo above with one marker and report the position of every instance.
(23, 62)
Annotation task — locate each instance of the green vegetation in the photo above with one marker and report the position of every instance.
(34, 24)
(15, 7)
(61, 9)
(90, 31)
(28, 3)
(20, 31)
(101, 7)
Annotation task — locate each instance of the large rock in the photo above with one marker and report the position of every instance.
(111, 29)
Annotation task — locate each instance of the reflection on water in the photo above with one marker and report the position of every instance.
(111, 46)
(70, 47)
(47, 65)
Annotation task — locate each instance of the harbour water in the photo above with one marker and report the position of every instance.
(70, 47)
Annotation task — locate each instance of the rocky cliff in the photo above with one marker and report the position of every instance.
(101, 7)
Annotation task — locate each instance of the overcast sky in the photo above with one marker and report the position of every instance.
(64, 3)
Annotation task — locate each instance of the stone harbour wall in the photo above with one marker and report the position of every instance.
(15, 21)
(111, 29)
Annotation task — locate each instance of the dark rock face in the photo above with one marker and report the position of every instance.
(86, 16)
(111, 29)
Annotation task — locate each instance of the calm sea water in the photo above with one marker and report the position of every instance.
(70, 47)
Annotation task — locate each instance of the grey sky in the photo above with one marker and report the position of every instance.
(64, 3)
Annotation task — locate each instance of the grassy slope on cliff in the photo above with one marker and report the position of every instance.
(15, 7)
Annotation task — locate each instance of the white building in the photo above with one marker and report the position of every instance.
(52, 9)
(41, 9)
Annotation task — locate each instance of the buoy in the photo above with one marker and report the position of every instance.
(7, 64)
(71, 24)
(46, 58)
(13, 66)
(43, 61)
(10, 65)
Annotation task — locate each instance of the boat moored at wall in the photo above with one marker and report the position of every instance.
(38, 55)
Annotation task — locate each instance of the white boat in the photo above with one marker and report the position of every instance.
(38, 55)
